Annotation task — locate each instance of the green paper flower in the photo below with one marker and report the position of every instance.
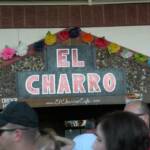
(140, 58)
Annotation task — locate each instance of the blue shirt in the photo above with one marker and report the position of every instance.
(84, 141)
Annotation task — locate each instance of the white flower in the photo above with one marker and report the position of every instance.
(126, 53)
(21, 49)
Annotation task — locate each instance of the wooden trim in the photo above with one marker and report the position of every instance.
(72, 101)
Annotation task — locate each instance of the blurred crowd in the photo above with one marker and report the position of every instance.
(120, 130)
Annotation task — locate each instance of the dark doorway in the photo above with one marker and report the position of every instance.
(55, 117)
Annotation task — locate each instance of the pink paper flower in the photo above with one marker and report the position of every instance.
(7, 53)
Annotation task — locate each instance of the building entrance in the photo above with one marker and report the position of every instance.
(56, 117)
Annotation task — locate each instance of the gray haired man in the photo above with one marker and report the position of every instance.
(18, 127)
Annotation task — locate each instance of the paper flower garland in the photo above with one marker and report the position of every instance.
(50, 39)
(101, 43)
(63, 35)
(87, 37)
(113, 48)
(21, 49)
(7, 53)
(75, 32)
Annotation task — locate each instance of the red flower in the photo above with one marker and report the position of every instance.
(101, 43)
(63, 35)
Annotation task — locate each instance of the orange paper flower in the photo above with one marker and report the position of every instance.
(87, 38)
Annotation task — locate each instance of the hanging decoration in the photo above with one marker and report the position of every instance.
(39, 46)
(87, 37)
(140, 58)
(21, 49)
(101, 43)
(50, 39)
(7, 53)
(74, 32)
(126, 53)
(63, 36)
(113, 48)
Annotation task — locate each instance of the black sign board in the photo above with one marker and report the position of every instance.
(71, 71)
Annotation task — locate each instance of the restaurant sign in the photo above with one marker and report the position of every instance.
(70, 71)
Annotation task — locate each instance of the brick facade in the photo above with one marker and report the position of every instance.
(68, 16)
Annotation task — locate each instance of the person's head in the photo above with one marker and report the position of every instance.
(46, 140)
(90, 126)
(122, 131)
(140, 109)
(18, 126)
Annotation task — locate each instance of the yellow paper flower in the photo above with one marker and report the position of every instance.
(113, 48)
(50, 39)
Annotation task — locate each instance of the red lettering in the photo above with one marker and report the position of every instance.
(93, 83)
(109, 82)
(48, 84)
(62, 58)
(63, 84)
(75, 61)
(29, 85)
(77, 83)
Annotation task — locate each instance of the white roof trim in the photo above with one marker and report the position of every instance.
(72, 2)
